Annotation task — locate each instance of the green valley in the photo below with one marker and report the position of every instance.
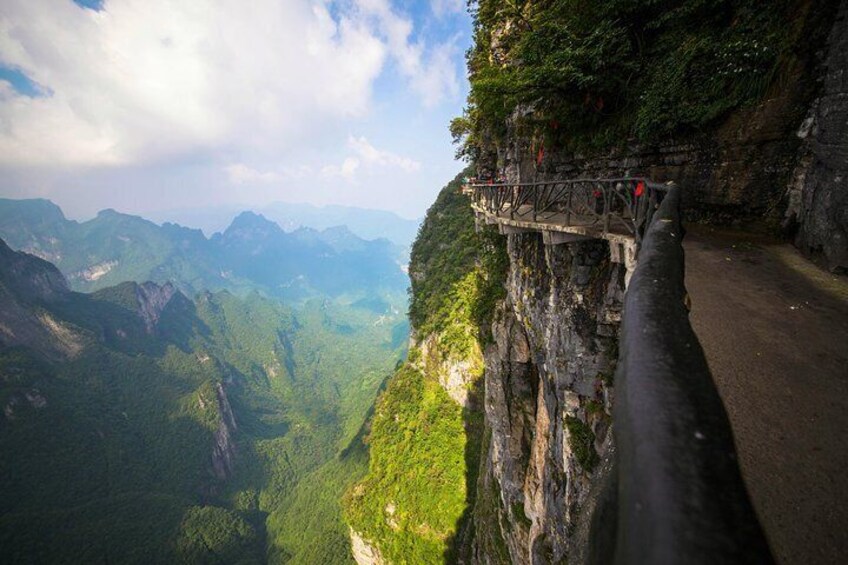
(146, 426)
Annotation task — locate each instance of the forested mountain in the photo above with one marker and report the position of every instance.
(253, 253)
(142, 425)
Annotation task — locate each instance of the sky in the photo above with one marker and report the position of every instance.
(152, 105)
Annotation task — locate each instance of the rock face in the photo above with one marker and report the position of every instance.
(818, 193)
(548, 373)
(224, 451)
(547, 399)
(363, 552)
(152, 300)
(95, 272)
(31, 278)
(28, 283)
(457, 375)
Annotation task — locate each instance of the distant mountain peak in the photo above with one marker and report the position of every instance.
(340, 231)
(250, 227)
(112, 214)
(251, 218)
(32, 208)
(253, 222)
(29, 276)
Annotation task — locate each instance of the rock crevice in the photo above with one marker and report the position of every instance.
(224, 450)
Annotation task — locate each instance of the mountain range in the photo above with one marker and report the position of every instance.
(253, 253)
(365, 223)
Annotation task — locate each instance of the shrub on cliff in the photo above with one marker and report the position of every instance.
(457, 274)
(591, 72)
(424, 446)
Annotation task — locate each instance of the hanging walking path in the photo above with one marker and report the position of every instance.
(774, 329)
(775, 332)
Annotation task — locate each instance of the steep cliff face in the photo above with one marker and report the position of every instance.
(28, 283)
(152, 300)
(415, 503)
(486, 444)
(30, 277)
(547, 401)
(526, 345)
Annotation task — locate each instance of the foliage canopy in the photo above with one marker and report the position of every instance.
(588, 72)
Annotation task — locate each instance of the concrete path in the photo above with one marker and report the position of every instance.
(775, 331)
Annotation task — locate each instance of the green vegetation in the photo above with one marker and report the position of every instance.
(113, 448)
(457, 274)
(581, 440)
(215, 535)
(311, 523)
(416, 487)
(587, 73)
(415, 502)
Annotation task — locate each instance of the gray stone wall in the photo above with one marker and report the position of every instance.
(818, 193)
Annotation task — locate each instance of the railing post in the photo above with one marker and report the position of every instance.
(535, 202)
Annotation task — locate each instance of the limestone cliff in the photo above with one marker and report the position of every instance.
(27, 284)
(514, 348)
(415, 503)
(548, 394)
(818, 191)
(152, 300)
(31, 278)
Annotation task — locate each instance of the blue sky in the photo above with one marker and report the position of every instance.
(144, 105)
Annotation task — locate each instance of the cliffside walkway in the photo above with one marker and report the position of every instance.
(673, 492)
(617, 210)
(774, 328)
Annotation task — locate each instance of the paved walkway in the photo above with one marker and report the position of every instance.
(775, 332)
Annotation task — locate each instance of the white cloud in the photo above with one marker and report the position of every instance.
(152, 80)
(347, 170)
(431, 74)
(361, 155)
(366, 156)
(370, 155)
(239, 173)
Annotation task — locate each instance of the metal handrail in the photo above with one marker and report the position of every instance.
(646, 180)
(624, 205)
(676, 493)
(673, 492)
